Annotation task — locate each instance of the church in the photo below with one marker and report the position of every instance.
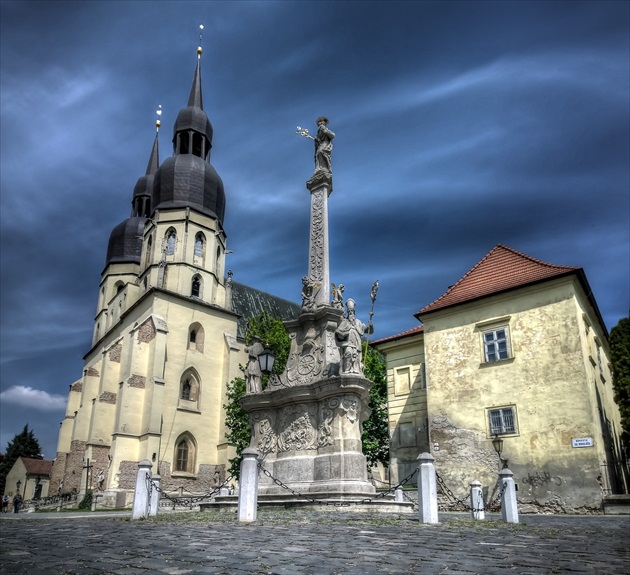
(169, 332)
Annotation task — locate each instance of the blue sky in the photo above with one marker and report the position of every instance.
(459, 126)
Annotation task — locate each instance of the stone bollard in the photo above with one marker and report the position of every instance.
(140, 508)
(476, 501)
(154, 501)
(95, 497)
(509, 508)
(427, 489)
(248, 492)
(399, 495)
(224, 492)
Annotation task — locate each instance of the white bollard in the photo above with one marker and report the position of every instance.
(154, 501)
(140, 508)
(427, 489)
(399, 495)
(509, 507)
(248, 491)
(224, 491)
(476, 500)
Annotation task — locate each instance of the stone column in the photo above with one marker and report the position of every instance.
(140, 507)
(509, 507)
(427, 489)
(476, 500)
(320, 186)
(248, 486)
(154, 501)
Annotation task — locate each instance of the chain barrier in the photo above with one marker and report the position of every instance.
(186, 501)
(454, 500)
(324, 502)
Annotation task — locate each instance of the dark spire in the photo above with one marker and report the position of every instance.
(154, 158)
(195, 100)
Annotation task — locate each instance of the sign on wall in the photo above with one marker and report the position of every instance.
(582, 442)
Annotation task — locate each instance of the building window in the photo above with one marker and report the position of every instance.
(402, 381)
(502, 421)
(495, 345)
(195, 288)
(189, 391)
(196, 337)
(186, 387)
(193, 336)
(171, 240)
(181, 463)
(199, 245)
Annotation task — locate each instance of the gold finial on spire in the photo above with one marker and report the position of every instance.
(199, 48)
(158, 122)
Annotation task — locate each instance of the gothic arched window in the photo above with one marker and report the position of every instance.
(171, 241)
(186, 387)
(185, 453)
(195, 289)
(199, 245)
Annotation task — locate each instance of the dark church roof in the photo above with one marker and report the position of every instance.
(248, 302)
(125, 242)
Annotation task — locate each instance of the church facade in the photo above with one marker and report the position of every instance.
(168, 333)
(516, 352)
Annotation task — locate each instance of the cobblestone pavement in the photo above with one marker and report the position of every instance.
(311, 543)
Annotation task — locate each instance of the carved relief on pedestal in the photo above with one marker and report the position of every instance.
(298, 428)
(306, 359)
(326, 416)
(264, 434)
(351, 405)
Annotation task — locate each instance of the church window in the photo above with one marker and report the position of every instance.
(195, 290)
(199, 245)
(495, 343)
(189, 391)
(196, 336)
(171, 240)
(185, 453)
(186, 387)
(182, 456)
(502, 420)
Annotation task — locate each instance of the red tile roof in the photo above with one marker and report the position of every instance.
(408, 333)
(501, 270)
(37, 466)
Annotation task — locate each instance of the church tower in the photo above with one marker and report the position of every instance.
(166, 338)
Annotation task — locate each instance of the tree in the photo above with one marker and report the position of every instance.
(620, 359)
(375, 437)
(24, 444)
(274, 336)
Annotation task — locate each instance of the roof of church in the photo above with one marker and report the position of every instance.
(248, 302)
(37, 466)
(502, 269)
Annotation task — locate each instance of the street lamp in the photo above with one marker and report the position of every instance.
(18, 485)
(497, 443)
(266, 359)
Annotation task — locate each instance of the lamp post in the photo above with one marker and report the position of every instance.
(497, 443)
(18, 485)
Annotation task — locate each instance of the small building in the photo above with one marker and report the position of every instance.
(510, 368)
(29, 477)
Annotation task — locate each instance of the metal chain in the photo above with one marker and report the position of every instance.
(188, 501)
(334, 503)
(456, 501)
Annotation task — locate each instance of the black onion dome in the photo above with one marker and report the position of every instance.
(186, 180)
(125, 242)
(195, 119)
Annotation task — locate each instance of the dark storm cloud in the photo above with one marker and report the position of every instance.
(460, 125)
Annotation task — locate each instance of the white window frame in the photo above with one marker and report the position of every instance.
(494, 345)
(502, 420)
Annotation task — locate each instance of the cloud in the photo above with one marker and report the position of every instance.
(33, 398)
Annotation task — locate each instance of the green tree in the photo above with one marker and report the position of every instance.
(274, 336)
(375, 437)
(24, 444)
(620, 359)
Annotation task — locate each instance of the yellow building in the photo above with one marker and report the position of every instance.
(515, 350)
(168, 333)
(29, 477)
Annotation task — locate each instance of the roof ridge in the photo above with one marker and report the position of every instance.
(508, 270)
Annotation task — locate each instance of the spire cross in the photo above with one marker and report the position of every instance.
(158, 121)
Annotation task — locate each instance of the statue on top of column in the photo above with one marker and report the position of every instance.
(323, 146)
